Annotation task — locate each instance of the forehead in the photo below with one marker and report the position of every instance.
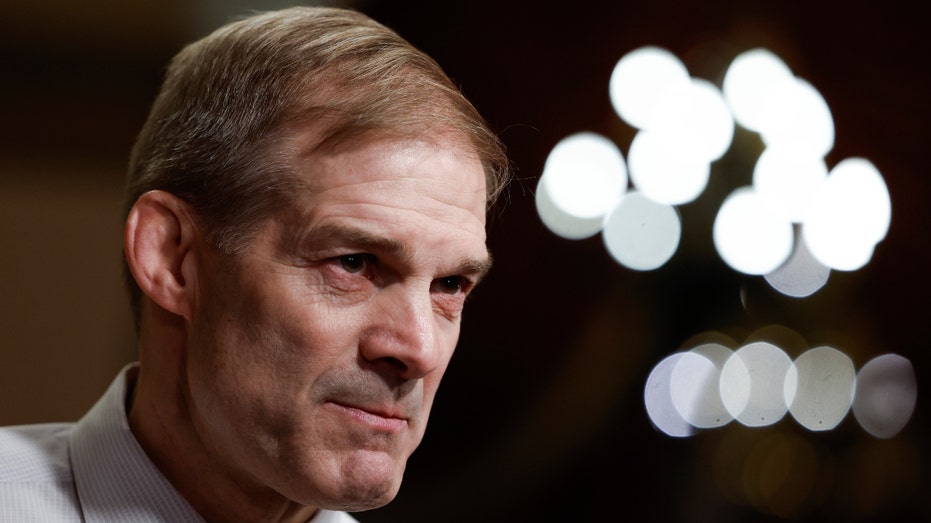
(412, 188)
(444, 163)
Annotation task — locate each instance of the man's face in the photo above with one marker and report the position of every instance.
(315, 355)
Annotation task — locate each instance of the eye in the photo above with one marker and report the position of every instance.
(450, 284)
(355, 263)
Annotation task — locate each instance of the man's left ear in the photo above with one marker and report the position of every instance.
(161, 242)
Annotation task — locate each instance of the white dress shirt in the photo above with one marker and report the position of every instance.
(92, 471)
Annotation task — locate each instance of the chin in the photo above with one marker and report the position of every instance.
(368, 485)
(366, 497)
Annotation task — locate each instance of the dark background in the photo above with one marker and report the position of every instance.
(541, 416)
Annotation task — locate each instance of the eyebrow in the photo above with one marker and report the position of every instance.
(477, 268)
(329, 232)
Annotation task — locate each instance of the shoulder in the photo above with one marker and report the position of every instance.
(35, 453)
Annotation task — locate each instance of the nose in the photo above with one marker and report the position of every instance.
(403, 333)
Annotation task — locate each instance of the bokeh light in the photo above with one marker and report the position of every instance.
(849, 214)
(694, 386)
(750, 234)
(819, 388)
(747, 83)
(788, 178)
(794, 114)
(752, 384)
(584, 175)
(663, 175)
(640, 80)
(640, 233)
(658, 400)
(562, 223)
(695, 118)
(801, 275)
(886, 395)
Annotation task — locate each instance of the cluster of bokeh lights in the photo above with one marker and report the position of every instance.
(797, 220)
(794, 223)
(757, 384)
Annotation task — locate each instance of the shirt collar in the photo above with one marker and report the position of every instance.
(115, 480)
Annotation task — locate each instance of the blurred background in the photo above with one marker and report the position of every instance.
(541, 416)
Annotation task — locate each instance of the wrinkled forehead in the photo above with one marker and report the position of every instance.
(429, 193)
(320, 139)
(336, 127)
(438, 161)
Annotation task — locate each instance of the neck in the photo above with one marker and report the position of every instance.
(163, 421)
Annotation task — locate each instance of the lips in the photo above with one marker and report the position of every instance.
(377, 411)
(375, 417)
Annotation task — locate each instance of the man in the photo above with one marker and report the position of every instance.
(305, 218)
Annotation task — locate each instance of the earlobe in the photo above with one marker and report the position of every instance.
(160, 242)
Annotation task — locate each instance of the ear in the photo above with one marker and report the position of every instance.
(160, 242)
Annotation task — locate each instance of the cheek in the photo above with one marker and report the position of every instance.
(280, 351)
(252, 386)
(250, 352)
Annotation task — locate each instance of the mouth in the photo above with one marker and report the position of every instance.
(375, 418)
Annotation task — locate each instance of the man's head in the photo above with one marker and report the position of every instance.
(307, 217)
(214, 136)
